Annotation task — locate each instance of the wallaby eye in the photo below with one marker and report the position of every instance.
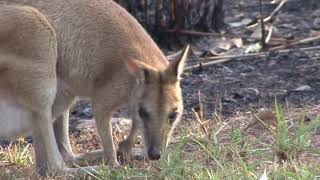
(143, 113)
(173, 116)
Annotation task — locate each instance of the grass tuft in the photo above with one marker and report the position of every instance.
(18, 154)
(290, 145)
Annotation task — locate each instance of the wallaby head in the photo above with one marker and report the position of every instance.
(158, 103)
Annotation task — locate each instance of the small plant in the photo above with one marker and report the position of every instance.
(235, 135)
(303, 132)
(281, 133)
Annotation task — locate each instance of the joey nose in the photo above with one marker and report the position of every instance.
(154, 153)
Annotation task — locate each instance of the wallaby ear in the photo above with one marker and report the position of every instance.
(139, 70)
(176, 67)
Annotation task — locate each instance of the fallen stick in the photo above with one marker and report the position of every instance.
(200, 33)
(195, 33)
(301, 41)
(221, 59)
(206, 59)
(260, 54)
(206, 64)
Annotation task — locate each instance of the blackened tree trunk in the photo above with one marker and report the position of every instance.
(163, 17)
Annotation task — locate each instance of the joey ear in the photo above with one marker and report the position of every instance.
(139, 70)
(176, 67)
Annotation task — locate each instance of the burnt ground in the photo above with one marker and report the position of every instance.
(251, 83)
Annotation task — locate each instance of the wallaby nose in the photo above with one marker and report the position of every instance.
(154, 153)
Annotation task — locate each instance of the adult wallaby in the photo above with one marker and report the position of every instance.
(28, 81)
(106, 55)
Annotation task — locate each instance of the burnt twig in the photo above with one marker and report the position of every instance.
(263, 36)
(146, 13)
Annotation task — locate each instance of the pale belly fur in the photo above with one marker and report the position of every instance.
(15, 120)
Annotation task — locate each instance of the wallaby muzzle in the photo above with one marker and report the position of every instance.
(154, 153)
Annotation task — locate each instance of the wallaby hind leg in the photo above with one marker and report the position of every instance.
(48, 158)
(60, 111)
(61, 132)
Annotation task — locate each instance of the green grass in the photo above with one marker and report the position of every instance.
(301, 173)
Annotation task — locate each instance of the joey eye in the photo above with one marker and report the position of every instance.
(173, 116)
(143, 113)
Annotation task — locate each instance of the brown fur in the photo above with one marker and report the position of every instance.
(105, 54)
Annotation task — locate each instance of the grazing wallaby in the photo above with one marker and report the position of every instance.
(28, 82)
(106, 55)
